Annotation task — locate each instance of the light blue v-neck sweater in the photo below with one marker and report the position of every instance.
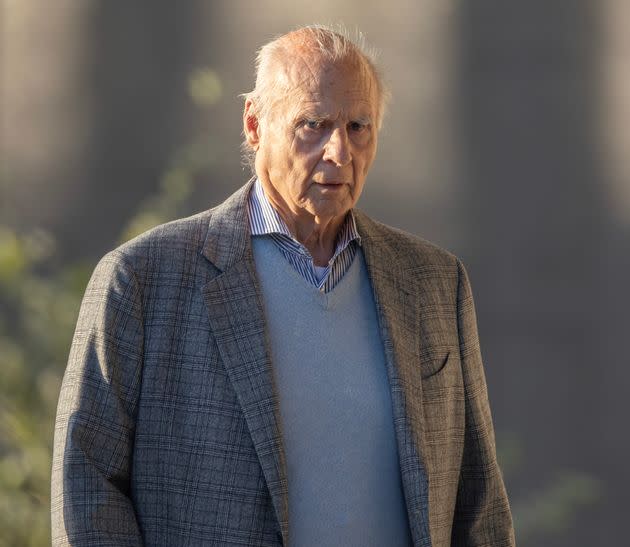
(335, 407)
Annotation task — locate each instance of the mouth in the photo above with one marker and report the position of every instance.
(331, 183)
(332, 188)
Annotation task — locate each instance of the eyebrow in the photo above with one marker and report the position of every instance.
(320, 117)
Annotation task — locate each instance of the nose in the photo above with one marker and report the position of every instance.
(337, 148)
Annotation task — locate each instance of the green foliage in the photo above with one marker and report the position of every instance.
(554, 507)
(36, 325)
(205, 87)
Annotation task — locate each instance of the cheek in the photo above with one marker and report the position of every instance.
(306, 149)
(304, 159)
(369, 156)
(362, 163)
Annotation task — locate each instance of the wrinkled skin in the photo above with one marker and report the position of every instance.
(314, 150)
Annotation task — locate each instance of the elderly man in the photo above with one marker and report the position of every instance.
(282, 369)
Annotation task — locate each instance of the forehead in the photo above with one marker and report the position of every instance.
(344, 85)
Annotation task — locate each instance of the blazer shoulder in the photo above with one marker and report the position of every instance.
(175, 247)
(168, 243)
(410, 251)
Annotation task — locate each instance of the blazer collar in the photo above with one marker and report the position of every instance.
(228, 236)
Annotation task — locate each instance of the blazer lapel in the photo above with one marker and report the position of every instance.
(237, 319)
(397, 307)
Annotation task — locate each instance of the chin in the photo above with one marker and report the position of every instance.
(329, 210)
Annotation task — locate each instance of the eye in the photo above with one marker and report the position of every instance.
(313, 125)
(357, 126)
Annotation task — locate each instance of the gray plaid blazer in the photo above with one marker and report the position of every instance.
(168, 431)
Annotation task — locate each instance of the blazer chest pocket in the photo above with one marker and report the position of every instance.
(434, 362)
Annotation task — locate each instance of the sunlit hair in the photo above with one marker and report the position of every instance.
(329, 45)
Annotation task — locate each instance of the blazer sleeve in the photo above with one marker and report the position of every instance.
(94, 430)
(482, 512)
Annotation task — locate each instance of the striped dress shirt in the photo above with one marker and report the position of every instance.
(265, 220)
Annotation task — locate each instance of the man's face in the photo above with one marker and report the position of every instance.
(316, 146)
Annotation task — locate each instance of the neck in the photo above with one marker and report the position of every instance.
(318, 235)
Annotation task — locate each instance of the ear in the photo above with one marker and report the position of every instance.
(251, 127)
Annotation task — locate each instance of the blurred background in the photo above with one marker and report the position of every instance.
(507, 142)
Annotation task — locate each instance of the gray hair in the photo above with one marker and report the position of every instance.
(331, 45)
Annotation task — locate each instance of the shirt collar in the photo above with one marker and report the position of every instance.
(265, 220)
